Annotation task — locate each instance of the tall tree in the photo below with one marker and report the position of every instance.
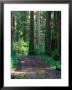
(48, 33)
(38, 28)
(31, 41)
(59, 31)
(24, 25)
(16, 28)
(54, 31)
(14, 25)
(12, 30)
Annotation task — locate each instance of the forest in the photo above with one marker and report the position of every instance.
(36, 35)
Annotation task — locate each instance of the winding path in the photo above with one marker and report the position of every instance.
(33, 68)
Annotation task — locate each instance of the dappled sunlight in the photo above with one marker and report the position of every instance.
(35, 44)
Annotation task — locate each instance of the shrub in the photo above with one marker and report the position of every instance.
(55, 54)
(20, 47)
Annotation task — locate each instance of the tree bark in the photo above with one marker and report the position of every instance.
(31, 41)
(59, 31)
(38, 28)
(54, 32)
(48, 33)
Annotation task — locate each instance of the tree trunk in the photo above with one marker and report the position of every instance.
(48, 33)
(54, 32)
(12, 27)
(17, 28)
(31, 42)
(59, 31)
(38, 28)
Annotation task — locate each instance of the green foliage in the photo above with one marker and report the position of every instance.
(51, 62)
(55, 54)
(14, 59)
(39, 51)
(20, 24)
(20, 38)
(21, 47)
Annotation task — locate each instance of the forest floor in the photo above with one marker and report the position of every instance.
(32, 67)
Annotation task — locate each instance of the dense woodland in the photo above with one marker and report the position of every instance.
(36, 33)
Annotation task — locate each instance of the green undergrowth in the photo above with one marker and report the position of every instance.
(51, 62)
(20, 48)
